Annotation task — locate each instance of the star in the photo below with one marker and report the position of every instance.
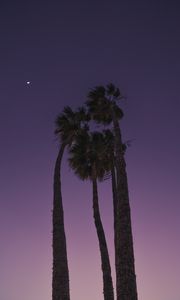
(28, 82)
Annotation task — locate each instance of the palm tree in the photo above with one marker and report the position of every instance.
(88, 160)
(109, 144)
(68, 124)
(103, 107)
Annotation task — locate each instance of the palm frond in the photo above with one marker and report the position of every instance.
(110, 89)
(88, 152)
(97, 92)
(69, 123)
(102, 101)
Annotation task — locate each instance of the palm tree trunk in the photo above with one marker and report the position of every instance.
(60, 278)
(125, 270)
(105, 263)
(114, 192)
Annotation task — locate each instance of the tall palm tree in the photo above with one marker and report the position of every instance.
(103, 107)
(109, 145)
(88, 160)
(68, 124)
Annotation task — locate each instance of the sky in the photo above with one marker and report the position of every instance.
(65, 48)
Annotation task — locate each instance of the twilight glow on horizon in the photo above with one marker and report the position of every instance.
(51, 56)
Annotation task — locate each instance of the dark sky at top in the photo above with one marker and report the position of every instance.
(64, 48)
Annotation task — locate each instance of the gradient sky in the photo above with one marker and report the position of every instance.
(64, 48)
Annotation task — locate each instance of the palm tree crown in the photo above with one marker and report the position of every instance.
(88, 153)
(70, 123)
(101, 101)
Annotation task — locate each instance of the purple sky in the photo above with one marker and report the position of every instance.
(64, 49)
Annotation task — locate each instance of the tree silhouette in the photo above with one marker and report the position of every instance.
(68, 125)
(89, 161)
(103, 107)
